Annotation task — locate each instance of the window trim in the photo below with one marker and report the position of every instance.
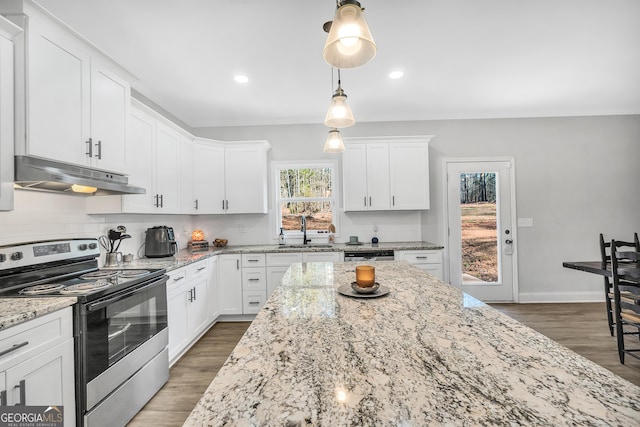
(276, 166)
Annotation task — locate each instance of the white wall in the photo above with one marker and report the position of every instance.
(43, 216)
(575, 176)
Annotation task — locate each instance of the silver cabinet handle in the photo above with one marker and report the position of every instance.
(177, 279)
(369, 201)
(254, 280)
(227, 205)
(237, 264)
(254, 302)
(13, 348)
(196, 204)
(393, 200)
(23, 393)
(365, 200)
(3, 398)
(201, 268)
(253, 260)
(89, 143)
(99, 145)
(421, 257)
(162, 200)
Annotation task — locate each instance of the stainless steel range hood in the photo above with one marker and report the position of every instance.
(34, 173)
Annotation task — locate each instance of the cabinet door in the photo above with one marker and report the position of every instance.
(230, 284)
(167, 169)
(177, 308)
(354, 175)
(46, 379)
(409, 175)
(378, 176)
(110, 108)
(213, 291)
(188, 203)
(6, 125)
(246, 179)
(208, 181)
(274, 277)
(141, 162)
(58, 117)
(198, 311)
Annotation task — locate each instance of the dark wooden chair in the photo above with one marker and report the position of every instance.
(605, 253)
(626, 297)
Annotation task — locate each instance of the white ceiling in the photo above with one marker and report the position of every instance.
(462, 59)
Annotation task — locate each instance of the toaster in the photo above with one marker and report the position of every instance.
(160, 242)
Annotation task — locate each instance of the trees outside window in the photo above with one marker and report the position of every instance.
(305, 190)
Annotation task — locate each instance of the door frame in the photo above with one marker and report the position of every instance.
(514, 217)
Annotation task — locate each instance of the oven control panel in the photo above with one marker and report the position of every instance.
(24, 254)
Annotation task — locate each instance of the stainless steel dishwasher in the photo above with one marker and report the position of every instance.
(369, 255)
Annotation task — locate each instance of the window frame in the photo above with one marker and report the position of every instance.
(276, 166)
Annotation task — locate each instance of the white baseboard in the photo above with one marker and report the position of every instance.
(541, 297)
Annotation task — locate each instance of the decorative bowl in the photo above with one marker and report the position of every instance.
(367, 290)
(220, 243)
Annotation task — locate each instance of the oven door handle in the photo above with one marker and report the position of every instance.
(124, 294)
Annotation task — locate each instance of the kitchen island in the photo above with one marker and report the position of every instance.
(425, 354)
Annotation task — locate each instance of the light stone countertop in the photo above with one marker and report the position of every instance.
(14, 311)
(185, 257)
(425, 354)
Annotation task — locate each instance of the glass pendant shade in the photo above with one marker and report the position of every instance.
(349, 43)
(339, 114)
(334, 143)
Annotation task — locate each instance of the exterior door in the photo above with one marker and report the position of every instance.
(480, 205)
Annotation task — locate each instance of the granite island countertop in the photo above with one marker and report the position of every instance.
(425, 354)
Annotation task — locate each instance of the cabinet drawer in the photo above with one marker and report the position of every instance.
(253, 260)
(283, 259)
(254, 279)
(23, 341)
(177, 277)
(252, 301)
(418, 257)
(197, 269)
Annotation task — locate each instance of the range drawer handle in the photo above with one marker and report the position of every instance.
(13, 348)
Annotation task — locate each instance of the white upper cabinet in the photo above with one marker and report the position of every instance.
(188, 202)
(245, 171)
(72, 101)
(208, 177)
(386, 173)
(409, 175)
(167, 155)
(7, 32)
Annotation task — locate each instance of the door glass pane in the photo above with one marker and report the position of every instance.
(479, 228)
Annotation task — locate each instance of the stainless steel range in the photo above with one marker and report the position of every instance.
(120, 322)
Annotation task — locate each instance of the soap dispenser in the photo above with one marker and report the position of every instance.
(281, 236)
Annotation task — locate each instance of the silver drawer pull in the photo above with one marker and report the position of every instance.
(201, 268)
(177, 279)
(254, 280)
(13, 348)
(421, 257)
(254, 302)
(253, 260)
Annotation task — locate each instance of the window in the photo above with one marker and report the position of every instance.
(305, 190)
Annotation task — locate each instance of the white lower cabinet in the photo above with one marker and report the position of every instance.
(428, 260)
(254, 283)
(230, 284)
(188, 306)
(213, 291)
(277, 266)
(37, 363)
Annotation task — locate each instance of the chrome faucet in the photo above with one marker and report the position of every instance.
(303, 228)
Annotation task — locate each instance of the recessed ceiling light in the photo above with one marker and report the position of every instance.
(396, 74)
(241, 79)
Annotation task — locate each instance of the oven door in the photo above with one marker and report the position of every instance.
(121, 332)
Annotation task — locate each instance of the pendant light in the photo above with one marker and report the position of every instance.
(334, 143)
(349, 43)
(339, 114)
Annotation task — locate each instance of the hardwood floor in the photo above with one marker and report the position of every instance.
(580, 327)
(190, 377)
